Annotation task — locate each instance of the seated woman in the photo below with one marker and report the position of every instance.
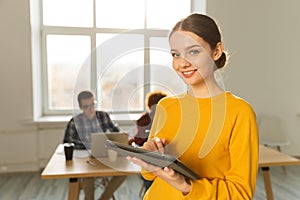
(144, 124)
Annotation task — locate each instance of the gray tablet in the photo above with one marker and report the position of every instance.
(154, 158)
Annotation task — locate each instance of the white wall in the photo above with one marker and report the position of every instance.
(18, 139)
(262, 37)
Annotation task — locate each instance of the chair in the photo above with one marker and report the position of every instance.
(102, 182)
(142, 190)
(144, 187)
(271, 132)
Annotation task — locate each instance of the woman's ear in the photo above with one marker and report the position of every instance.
(218, 51)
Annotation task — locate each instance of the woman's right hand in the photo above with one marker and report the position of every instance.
(155, 144)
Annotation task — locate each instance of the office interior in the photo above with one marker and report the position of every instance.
(261, 37)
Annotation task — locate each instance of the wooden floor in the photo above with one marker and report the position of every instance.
(29, 186)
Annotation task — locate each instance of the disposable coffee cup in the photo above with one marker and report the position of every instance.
(112, 155)
(69, 149)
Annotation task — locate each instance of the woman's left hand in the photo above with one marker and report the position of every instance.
(167, 174)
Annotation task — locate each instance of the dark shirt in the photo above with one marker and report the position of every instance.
(144, 124)
(80, 128)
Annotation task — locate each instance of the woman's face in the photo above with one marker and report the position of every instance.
(192, 57)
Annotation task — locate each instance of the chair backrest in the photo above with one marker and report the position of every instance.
(271, 130)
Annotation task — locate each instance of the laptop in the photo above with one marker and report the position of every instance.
(98, 142)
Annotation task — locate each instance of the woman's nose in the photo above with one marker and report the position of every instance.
(183, 62)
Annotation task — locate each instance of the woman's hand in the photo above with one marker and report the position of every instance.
(155, 144)
(167, 174)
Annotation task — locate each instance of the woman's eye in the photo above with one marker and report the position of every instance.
(174, 54)
(194, 52)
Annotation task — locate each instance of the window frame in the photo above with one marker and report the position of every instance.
(44, 30)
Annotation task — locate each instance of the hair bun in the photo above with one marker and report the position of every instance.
(221, 61)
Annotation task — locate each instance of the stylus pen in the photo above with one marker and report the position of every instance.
(91, 163)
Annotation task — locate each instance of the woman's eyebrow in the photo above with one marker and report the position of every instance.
(187, 48)
(192, 46)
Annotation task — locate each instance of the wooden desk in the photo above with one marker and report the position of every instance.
(268, 158)
(57, 167)
(82, 167)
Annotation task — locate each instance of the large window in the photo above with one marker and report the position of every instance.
(116, 48)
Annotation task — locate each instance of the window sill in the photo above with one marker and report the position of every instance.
(60, 121)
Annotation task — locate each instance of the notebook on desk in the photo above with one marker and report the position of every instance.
(98, 142)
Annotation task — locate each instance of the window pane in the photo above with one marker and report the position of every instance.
(120, 77)
(167, 13)
(119, 72)
(67, 64)
(127, 14)
(71, 13)
(163, 76)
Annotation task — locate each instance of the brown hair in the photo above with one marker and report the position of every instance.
(153, 98)
(84, 95)
(206, 28)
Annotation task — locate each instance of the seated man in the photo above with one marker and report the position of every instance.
(79, 130)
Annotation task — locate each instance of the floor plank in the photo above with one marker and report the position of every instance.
(29, 186)
(284, 186)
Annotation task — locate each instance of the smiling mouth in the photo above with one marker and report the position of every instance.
(188, 74)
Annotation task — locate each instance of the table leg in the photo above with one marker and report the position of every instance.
(267, 182)
(74, 189)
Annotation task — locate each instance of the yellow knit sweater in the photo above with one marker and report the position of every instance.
(217, 138)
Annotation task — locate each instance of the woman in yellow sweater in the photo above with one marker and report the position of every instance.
(210, 130)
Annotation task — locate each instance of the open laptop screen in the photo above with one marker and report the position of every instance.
(98, 142)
